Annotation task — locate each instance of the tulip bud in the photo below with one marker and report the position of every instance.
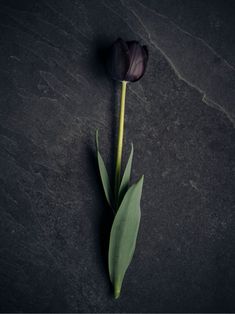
(127, 61)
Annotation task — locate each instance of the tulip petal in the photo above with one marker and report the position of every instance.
(118, 60)
(138, 61)
(144, 61)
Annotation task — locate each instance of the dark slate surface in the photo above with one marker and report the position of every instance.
(54, 94)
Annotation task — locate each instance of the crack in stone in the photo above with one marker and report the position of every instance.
(187, 33)
(204, 94)
(205, 97)
(66, 19)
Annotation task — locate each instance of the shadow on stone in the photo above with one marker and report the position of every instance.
(98, 57)
(104, 216)
(98, 62)
(113, 133)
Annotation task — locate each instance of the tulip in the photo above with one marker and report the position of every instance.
(127, 61)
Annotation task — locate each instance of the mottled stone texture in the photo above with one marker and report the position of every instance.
(54, 94)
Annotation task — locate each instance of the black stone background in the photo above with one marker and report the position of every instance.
(54, 94)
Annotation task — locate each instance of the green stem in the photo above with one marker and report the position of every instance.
(120, 143)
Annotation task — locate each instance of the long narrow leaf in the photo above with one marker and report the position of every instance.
(124, 234)
(126, 176)
(103, 173)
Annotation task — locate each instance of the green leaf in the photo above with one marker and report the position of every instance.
(126, 176)
(124, 234)
(103, 173)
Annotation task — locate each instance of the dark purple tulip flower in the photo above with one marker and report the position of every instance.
(127, 60)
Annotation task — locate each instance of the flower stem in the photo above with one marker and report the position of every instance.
(120, 143)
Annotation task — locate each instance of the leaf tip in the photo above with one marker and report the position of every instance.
(97, 138)
(132, 149)
(141, 182)
(116, 293)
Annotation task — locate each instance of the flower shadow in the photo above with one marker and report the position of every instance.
(105, 215)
